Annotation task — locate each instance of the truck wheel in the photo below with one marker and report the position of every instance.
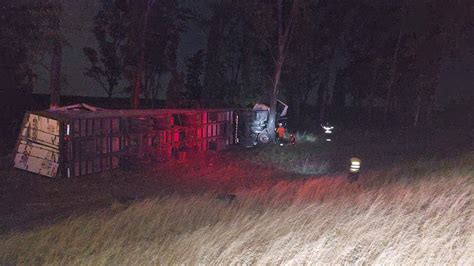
(263, 138)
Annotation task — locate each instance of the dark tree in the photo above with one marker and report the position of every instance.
(167, 22)
(386, 55)
(54, 16)
(237, 65)
(194, 70)
(32, 30)
(20, 28)
(153, 37)
(110, 30)
(19, 51)
(214, 80)
(310, 59)
(175, 90)
(137, 33)
(284, 31)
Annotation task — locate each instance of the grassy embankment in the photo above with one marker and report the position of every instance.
(421, 211)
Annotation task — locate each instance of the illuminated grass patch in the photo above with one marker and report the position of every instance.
(426, 218)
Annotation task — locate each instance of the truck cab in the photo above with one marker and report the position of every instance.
(255, 123)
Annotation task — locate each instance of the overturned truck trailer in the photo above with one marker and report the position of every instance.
(80, 139)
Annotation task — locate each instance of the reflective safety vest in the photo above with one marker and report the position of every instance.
(355, 165)
(280, 132)
(328, 130)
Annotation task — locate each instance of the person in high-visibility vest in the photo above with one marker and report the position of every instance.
(327, 131)
(354, 169)
(280, 133)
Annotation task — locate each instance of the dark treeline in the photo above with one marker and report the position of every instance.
(360, 61)
(382, 59)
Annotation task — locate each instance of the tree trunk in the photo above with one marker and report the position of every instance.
(273, 98)
(111, 89)
(156, 88)
(55, 72)
(146, 86)
(283, 41)
(137, 78)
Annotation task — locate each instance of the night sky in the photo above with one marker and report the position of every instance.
(457, 77)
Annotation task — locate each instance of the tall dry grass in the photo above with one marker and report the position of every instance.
(391, 217)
